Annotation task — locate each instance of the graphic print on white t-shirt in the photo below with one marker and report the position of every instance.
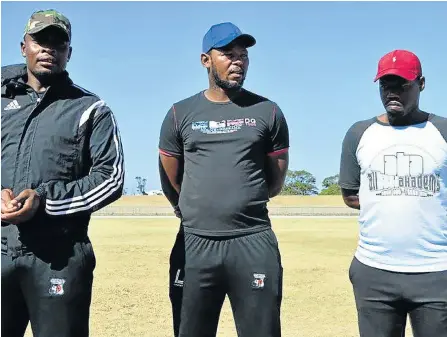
(404, 170)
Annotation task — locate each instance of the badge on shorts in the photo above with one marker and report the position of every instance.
(258, 281)
(56, 286)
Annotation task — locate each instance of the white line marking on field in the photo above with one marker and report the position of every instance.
(271, 217)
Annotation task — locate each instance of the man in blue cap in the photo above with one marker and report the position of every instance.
(224, 151)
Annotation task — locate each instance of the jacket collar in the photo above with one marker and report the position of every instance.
(14, 79)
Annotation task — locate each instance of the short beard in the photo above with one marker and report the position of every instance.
(46, 77)
(225, 85)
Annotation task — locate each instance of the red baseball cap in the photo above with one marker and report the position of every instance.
(402, 63)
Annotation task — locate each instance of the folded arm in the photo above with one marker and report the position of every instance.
(277, 161)
(171, 172)
(277, 165)
(171, 160)
(349, 177)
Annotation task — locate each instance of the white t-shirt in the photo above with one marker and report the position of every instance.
(401, 175)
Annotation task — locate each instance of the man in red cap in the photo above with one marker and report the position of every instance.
(395, 164)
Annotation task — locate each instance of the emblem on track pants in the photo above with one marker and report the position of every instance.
(258, 281)
(57, 286)
(178, 282)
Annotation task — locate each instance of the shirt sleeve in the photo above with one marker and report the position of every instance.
(104, 183)
(441, 124)
(349, 177)
(278, 133)
(170, 142)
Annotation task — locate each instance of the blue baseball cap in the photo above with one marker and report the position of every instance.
(222, 34)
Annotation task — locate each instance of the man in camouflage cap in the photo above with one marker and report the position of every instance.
(46, 28)
(61, 160)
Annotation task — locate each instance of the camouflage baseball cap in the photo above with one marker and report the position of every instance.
(42, 19)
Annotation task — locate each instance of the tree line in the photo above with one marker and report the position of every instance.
(304, 183)
(298, 182)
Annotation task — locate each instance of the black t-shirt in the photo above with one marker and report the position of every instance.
(224, 147)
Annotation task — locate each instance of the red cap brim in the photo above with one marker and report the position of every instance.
(408, 75)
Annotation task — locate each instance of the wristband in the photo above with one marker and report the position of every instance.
(41, 192)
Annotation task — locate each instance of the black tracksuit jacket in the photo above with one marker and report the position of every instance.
(66, 145)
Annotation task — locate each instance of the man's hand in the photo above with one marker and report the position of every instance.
(177, 212)
(9, 205)
(30, 201)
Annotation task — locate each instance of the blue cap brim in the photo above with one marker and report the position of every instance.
(245, 39)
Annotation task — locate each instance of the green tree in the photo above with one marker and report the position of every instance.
(299, 183)
(330, 186)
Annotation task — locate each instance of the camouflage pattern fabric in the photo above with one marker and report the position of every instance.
(42, 19)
